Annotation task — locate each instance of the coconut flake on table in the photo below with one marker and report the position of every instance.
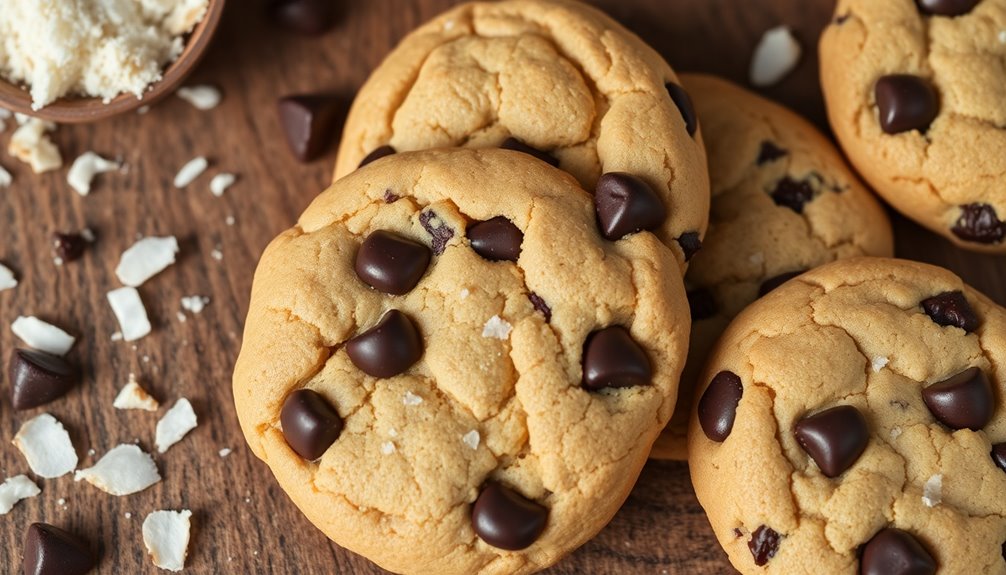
(42, 336)
(129, 312)
(133, 396)
(166, 537)
(5, 178)
(7, 279)
(195, 303)
(224, 452)
(31, 144)
(220, 183)
(15, 489)
(776, 55)
(203, 97)
(176, 423)
(191, 171)
(85, 168)
(46, 446)
(145, 259)
(124, 470)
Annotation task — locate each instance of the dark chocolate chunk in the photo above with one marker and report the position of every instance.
(309, 17)
(690, 244)
(611, 358)
(49, 550)
(37, 378)
(496, 239)
(626, 204)
(684, 103)
(764, 544)
(906, 103)
(895, 552)
(377, 154)
(980, 224)
(540, 305)
(701, 303)
(793, 194)
(834, 438)
(951, 309)
(506, 519)
(769, 152)
(391, 197)
(310, 423)
(309, 122)
(718, 405)
(438, 230)
(519, 146)
(965, 400)
(387, 349)
(68, 247)
(390, 263)
(773, 282)
(946, 7)
(999, 455)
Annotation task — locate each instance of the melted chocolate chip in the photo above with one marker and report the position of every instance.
(518, 146)
(951, 309)
(391, 197)
(626, 204)
(895, 552)
(793, 194)
(611, 358)
(684, 103)
(390, 263)
(540, 305)
(310, 423)
(37, 378)
(690, 244)
(999, 455)
(718, 405)
(906, 103)
(68, 247)
(506, 519)
(438, 229)
(769, 152)
(771, 283)
(946, 7)
(309, 122)
(701, 303)
(764, 544)
(980, 224)
(377, 154)
(309, 17)
(496, 239)
(834, 438)
(49, 550)
(965, 400)
(387, 349)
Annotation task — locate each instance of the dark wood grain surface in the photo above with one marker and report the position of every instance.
(243, 521)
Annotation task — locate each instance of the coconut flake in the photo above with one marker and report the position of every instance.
(85, 168)
(133, 396)
(224, 452)
(46, 446)
(220, 183)
(464, 294)
(191, 171)
(195, 303)
(878, 363)
(5, 178)
(32, 145)
(411, 399)
(895, 433)
(497, 328)
(145, 259)
(932, 491)
(217, 254)
(15, 489)
(387, 448)
(166, 537)
(776, 55)
(472, 439)
(42, 336)
(7, 279)
(178, 421)
(124, 470)
(129, 312)
(201, 97)
(1002, 36)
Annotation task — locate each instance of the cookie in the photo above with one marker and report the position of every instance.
(558, 80)
(784, 201)
(450, 370)
(852, 422)
(915, 90)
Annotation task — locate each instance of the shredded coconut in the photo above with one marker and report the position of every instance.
(85, 168)
(472, 439)
(220, 183)
(411, 399)
(895, 433)
(217, 254)
(201, 97)
(46, 446)
(129, 312)
(387, 448)
(42, 336)
(191, 171)
(932, 491)
(195, 303)
(776, 55)
(224, 452)
(464, 294)
(7, 279)
(30, 142)
(176, 423)
(15, 489)
(124, 470)
(5, 178)
(878, 363)
(497, 328)
(133, 396)
(166, 537)
(145, 259)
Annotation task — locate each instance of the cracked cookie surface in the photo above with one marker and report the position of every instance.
(496, 396)
(846, 410)
(915, 95)
(561, 78)
(760, 229)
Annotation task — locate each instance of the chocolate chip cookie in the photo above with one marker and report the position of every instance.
(557, 80)
(449, 367)
(784, 201)
(852, 421)
(915, 92)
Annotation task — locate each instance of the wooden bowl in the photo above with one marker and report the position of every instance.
(76, 109)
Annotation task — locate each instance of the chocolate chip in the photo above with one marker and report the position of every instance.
(496, 239)
(906, 103)
(999, 455)
(946, 7)
(769, 153)
(773, 282)
(310, 423)
(390, 263)
(834, 438)
(980, 224)
(701, 304)
(965, 400)
(438, 229)
(68, 247)
(49, 550)
(37, 378)
(793, 194)
(764, 544)
(506, 519)
(895, 552)
(626, 204)
(310, 17)
(387, 349)
(377, 154)
(391, 197)
(519, 146)
(690, 244)
(540, 305)
(951, 309)
(684, 103)
(718, 405)
(611, 358)
(309, 122)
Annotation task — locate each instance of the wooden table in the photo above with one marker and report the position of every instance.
(243, 521)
